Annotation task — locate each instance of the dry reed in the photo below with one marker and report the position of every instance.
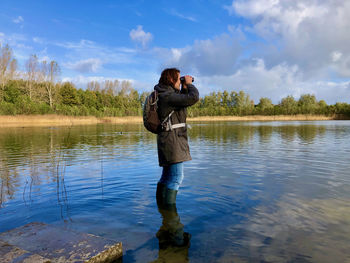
(300, 117)
(60, 120)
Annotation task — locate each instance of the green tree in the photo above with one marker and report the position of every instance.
(322, 107)
(243, 104)
(265, 106)
(307, 104)
(342, 108)
(225, 99)
(289, 105)
(89, 99)
(11, 91)
(68, 94)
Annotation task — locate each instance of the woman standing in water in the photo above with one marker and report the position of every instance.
(174, 96)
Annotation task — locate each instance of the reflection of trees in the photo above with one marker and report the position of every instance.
(222, 132)
(25, 145)
(43, 153)
(234, 132)
(8, 182)
(265, 133)
(287, 132)
(22, 145)
(307, 133)
(39, 151)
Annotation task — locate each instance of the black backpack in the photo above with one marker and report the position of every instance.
(150, 115)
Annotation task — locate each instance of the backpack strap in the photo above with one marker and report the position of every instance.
(167, 126)
(155, 98)
(167, 120)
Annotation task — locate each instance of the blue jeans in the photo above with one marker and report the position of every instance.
(172, 175)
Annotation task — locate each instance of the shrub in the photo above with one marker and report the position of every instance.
(7, 108)
(24, 105)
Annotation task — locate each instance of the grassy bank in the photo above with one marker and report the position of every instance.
(299, 117)
(60, 120)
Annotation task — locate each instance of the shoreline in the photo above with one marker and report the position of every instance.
(298, 117)
(63, 120)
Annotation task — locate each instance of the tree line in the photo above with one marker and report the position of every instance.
(37, 90)
(240, 104)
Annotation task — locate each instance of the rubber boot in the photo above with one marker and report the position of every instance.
(170, 196)
(164, 195)
(160, 194)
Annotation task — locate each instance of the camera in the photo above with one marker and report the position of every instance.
(182, 79)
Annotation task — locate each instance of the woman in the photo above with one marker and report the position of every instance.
(172, 142)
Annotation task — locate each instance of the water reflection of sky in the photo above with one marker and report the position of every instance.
(273, 191)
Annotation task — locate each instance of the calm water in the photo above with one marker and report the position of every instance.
(254, 191)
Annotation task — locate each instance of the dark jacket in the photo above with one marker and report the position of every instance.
(173, 145)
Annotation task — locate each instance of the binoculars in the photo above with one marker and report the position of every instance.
(182, 79)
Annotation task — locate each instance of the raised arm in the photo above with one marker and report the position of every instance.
(184, 99)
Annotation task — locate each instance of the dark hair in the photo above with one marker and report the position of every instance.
(169, 76)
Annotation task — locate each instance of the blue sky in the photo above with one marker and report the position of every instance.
(267, 48)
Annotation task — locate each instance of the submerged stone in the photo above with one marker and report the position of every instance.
(39, 242)
(10, 253)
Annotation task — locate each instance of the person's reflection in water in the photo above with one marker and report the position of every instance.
(173, 241)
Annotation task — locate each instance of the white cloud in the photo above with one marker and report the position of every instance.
(86, 49)
(304, 45)
(336, 55)
(38, 40)
(85, 66)
(341, 64)
(140, 36)
(305, 33)
(76, 45)
(13, 39)
(182, 16)
(88, 46)
(218, 56)
(19, 45)
(258, 81)
(18, 20)
(87, 56)
(81, 81)
(275, 83)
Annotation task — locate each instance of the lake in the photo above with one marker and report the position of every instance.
(254, 191)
